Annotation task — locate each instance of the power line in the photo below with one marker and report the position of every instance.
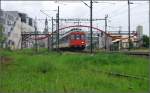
(125, 11)
(116, 10)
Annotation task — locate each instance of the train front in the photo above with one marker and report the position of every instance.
(77, 40)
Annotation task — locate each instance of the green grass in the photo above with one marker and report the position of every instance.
(67, 72)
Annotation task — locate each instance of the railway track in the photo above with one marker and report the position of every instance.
(136, 53)
(119, 74)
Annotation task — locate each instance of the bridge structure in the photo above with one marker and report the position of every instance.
(51, 36)
(32, 36)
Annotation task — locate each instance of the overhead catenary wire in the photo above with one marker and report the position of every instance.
(118, 9)
(132, 12)
(124, 10)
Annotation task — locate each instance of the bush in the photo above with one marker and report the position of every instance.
(145, 41)
(45, 67)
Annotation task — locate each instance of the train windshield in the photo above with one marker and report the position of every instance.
(82, 37)
(78, 37)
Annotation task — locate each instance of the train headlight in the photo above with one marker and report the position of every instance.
(82, 42)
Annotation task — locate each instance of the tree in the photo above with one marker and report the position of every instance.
(2, 37)
(146, 41)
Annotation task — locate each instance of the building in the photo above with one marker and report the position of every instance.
(14, 24)
(139, 30)
(121, 40)
(99, 40)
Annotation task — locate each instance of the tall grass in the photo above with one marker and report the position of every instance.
(66, 72)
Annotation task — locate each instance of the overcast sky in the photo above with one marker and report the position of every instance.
(116, 10)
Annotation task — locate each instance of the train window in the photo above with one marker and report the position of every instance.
(82, 37)
(78, 37)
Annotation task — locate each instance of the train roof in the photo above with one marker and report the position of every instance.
(73, 31)
(76, 29)
(77, 32)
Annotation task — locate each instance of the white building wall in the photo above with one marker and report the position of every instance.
(13, 28)
(15, 35)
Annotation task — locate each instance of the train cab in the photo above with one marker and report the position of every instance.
(77, 40)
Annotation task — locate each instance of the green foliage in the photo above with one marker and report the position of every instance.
(52, 72)
(146, 41)
(2, 37)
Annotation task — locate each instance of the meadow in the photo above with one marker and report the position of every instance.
(27, 71)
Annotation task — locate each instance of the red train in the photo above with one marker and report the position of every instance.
(74, 39)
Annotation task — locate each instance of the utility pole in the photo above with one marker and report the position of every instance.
(1, 35)
(21, 37)
(106, 16)
(35, 26)
(149, 28)
(58, 29)
(91, 25)
(52, 35)
(48, 42)
(120, 45)
(129, 39)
